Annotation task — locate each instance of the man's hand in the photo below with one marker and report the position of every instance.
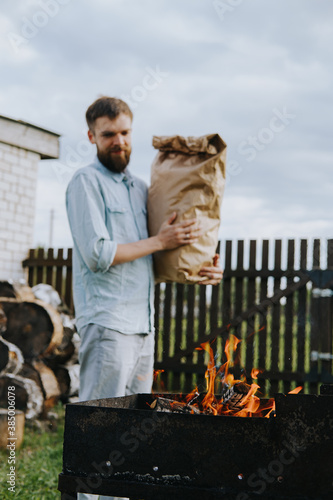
(214, 273)
(173, 235)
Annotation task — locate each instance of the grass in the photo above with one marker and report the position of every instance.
(38, 461)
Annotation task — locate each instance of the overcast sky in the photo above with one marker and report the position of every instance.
(258, 72)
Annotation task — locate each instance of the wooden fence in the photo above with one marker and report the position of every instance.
(276, 296)
(54, 268)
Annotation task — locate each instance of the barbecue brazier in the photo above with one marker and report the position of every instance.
(121, 447)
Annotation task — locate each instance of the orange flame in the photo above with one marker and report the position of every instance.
(157, 373)
(255, 372)
(239, 404)
(296, 390)
(158, 381)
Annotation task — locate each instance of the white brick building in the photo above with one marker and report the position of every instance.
(22, 145)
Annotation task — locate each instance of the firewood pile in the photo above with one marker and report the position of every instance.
(38, 349)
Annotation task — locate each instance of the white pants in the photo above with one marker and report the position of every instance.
(113, 364)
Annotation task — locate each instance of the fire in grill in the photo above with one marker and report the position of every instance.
(123, 447)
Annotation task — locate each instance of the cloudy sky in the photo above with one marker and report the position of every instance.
(258, 72)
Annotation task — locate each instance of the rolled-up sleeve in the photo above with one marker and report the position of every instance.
(86, 215)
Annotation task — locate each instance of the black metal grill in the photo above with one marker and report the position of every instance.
(121, 447)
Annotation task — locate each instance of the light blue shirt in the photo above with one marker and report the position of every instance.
(104, 209)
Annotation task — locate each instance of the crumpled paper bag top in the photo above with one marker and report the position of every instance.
(187, 145)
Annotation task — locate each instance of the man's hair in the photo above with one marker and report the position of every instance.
(106, 106)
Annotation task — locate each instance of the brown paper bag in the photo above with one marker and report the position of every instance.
(187, 176)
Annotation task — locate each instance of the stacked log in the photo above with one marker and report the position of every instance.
(32, 326)
(38, 353)
(11, 358)
(28, 395)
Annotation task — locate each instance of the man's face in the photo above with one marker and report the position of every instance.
(113, 141)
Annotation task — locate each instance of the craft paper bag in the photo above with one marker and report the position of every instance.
(187, 176)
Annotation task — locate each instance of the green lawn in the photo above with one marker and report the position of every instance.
(38, 461)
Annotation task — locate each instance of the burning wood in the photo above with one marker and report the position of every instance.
(171, 406)
(232, 400)
(233, 396)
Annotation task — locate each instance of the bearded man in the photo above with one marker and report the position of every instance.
(113, 281)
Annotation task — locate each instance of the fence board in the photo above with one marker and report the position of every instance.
(190, 333)
(49, 273)
(167, 318)
(302, 313)
(315, 327)
(238, 305)
(250, 299)
(330, 267)
(68, 280)
(226, 296)
(157, 305)
(31, 277)
(289, 317)
(178, 329)
(263, 317)
(202, 323)
(214, 305)
(59, 267)
(40, 267)
(275, 331)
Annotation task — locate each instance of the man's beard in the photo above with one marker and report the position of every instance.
(115, 163)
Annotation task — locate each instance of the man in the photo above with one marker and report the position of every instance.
(112, 261)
